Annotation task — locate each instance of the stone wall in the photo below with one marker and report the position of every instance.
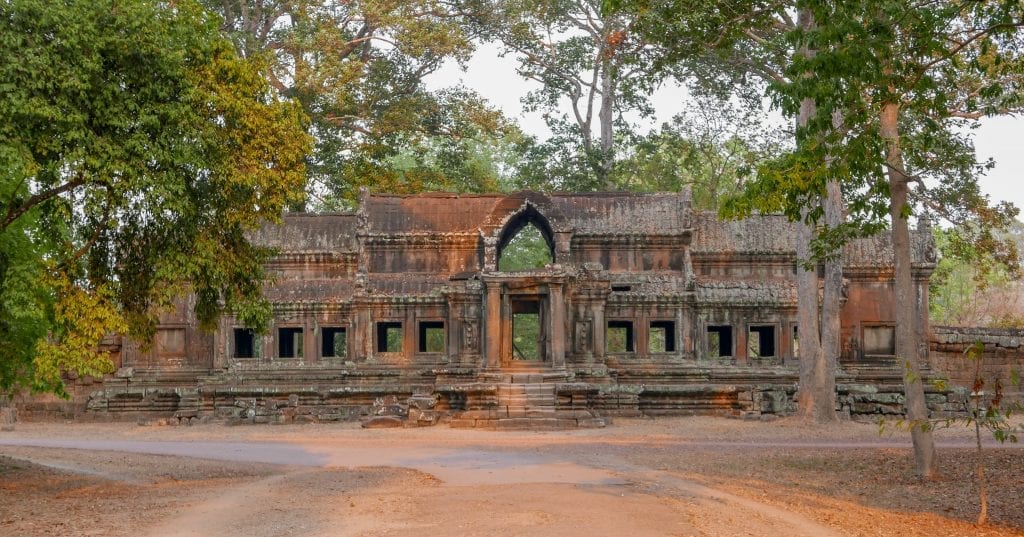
(1002, 356)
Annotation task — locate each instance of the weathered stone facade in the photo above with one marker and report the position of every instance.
(400, 309)
(1001, 359)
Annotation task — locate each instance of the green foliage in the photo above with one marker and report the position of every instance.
(527, 250)
(138, 149)
(526, 336)
(592, 67)
(976, 289)
(713, 149)
(358, 69)
(904, 56)
(394, 338)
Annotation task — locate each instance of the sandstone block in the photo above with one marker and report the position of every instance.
(382, 422)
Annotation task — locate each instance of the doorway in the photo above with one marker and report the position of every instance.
(528, 330)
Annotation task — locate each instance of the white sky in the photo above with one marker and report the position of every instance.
(495, 78)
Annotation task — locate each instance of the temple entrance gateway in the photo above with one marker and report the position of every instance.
(528, 331)
(509, 306)
(525, 325)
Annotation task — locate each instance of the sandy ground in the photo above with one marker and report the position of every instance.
(665, 477)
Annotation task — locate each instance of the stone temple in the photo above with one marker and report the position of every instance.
(401, 309)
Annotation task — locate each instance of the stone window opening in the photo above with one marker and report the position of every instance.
(621, 288)
(431, 337)
(796, 342)
(619, 337)
(289, 342)
(879, 340)
(720, 341)
(333, 342)
(389, 336)
(661, 337)
(526, 243)
(761, 341)
(244, 343)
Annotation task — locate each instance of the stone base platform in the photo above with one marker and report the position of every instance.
(496, 400)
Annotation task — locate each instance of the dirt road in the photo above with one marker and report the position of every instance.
(695, 476)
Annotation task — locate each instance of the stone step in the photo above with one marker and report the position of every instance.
(526, 413)
(527, 424)
(528, 397)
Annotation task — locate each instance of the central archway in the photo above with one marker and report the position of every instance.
(526, 242)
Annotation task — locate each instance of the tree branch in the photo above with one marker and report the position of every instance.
(16, 211)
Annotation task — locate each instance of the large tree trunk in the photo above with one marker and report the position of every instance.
(906, 297)
(832, 296)
(607, 119)
(818, 325)
(810, 396)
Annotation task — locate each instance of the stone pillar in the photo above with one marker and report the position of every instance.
(310, 340)
(409, 336)
(221, 347)
(490, 245)
(362, 334)
(557, 326)
(599, 331)
(740, 340)
(453, 335)
(562, 244)
(686, 336)
(492, 326)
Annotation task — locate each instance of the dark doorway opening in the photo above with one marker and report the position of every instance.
(244, 343)
(761, 341)
(527, 331)
(389, 336)
(720, 340)
(431, 336)
(662, 336)
(619, 337)
(289, 342)
(333, 342)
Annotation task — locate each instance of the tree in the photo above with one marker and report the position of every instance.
(720, 46)
(358, 69)
(904, 75)
(971, 287)
(589, 58)
(712, 147)
(137, 149)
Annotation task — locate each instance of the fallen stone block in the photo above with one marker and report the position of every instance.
(382, 422)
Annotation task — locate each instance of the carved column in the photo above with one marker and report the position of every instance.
(221, 349)
(740, 340)
(492, 326)
(562, 244)
(599, 331)
(557, 326)
(363, 333)
(453, 329)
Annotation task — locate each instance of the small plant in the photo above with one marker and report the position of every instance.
(983, 409)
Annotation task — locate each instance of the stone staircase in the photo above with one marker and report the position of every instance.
(527, 401)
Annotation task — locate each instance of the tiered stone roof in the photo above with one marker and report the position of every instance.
(596, 214)
(303, 232)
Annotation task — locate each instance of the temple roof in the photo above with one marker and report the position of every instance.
(754, 235)
(621, 213)
(775, 234)
(306, 232)
(624, 213)
(604, 213)
(438, 213)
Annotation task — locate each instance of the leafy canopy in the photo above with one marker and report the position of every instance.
(137, 150)
(358, 69)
